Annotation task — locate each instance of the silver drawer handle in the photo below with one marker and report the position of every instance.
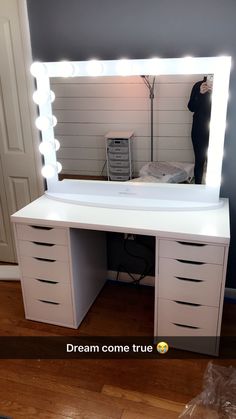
(46, 281)
(45, 260)
(42, 228)
(184, 303)
(44, 244)
(49, 302)
(186, 326)
(192, 244)
(191, 262)
(188, 279)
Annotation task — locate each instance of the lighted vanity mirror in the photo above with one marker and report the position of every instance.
(83, 123)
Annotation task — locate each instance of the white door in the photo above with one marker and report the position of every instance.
(18, 178)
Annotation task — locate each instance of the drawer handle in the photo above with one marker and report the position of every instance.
(191, 262)
(45, 260)
(186, 326)
(187, 304)
(44, 244)
(42, 228)
(192, 244)
(49, 302)
(46, 281)
(188, 279)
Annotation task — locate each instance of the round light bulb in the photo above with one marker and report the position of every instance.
(94, 68)
(66, 69)
(38, 69)
(42, 123)
(46, 147)
(57, 144)
(124, 67)
(53, 121)
(41, 97)
(48, 171)
(154, 66)
(59, 167)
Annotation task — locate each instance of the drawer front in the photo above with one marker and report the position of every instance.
(179, 319)
(42, 234)
(184, 269)
(47, 312)
(43, 250)
(45, 290)
(204, 291)
(191, 251)
(45, 269)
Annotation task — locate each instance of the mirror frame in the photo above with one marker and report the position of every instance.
(91, 192)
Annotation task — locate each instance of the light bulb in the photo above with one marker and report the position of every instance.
(124, 67)
(53, 121)
(57, 144)
(59, 167)
(48, 171)
(154, 66)
(46, 147)
(42, 123)
(66, 69)
(38, 69)
(94, 68)
(40, 97)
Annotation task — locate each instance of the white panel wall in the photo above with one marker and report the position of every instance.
(87, 108)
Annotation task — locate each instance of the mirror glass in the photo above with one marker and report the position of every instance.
(156, 109)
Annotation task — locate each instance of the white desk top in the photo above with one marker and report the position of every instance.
(204, 225)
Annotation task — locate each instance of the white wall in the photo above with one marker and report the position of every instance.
(87, 108)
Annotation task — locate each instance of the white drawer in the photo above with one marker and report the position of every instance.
(179, 319)
(42, 234)
(42, 289)
(204, 291)
(191, 251)
(42, 311)
(43, 250)
(44, 269)
(191, 270)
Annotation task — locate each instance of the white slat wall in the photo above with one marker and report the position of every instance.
(87, 108)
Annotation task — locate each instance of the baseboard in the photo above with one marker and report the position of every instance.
(230, 293)
(124, 277)
(9, 273)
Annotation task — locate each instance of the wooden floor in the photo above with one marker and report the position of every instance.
(99, 388)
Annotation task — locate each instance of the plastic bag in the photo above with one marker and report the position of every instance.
(218, 398)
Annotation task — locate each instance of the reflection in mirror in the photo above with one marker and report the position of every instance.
(87, 108)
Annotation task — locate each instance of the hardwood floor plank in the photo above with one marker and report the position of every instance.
(139, 397)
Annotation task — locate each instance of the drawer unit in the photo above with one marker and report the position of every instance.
(200, 252)
(46, 279)
(41, 234)
(189, 291)
(118, 152)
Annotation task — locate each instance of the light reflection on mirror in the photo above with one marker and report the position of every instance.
(87, 108)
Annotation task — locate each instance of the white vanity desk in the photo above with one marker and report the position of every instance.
(62, 257)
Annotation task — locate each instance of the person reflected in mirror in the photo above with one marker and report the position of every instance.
(200, 104)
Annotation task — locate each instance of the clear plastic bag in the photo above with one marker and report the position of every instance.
(218, 398)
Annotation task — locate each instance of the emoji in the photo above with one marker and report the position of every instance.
(162, 347)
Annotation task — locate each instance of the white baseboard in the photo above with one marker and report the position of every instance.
(124, 277)
(230, 292)
(9, 273)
